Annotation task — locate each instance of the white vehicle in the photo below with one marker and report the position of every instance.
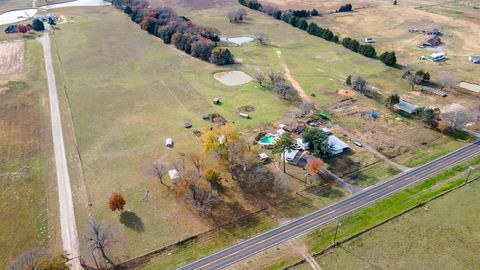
(359, 144)
(369, 40)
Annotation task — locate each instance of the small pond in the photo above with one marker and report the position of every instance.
(240, 40)
(17, 16)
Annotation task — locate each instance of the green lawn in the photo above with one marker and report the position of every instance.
(370, 175)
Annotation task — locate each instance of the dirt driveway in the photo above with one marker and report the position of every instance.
(11, 57)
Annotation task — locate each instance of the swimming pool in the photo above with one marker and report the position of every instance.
(268, 139)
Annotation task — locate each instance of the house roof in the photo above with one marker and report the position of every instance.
(173, 174)
(290, 154)
(338, 145)
(406, 107)
(433, 41)
(280, 132)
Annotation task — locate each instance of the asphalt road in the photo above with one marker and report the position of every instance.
(322, 216)
(67, 215)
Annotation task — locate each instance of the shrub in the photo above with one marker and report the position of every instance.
(38, 25)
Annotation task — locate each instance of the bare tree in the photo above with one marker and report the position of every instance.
(197, 160)
(99, 237)
(39, 259)
(260, 78)
(446, 80)
(358, 83)
(457, 118)
(307, 106)
(159, 169)
(262, 38)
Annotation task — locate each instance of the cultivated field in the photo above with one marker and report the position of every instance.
(28, 207)
(11, 57)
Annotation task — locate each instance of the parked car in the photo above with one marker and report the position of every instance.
(359, 144)
(369, 40)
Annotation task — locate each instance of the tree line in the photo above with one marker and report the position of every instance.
(197, 41)
(296, 19)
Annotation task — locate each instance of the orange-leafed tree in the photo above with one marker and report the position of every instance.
(22, 28)
(314, 165)
(116, 202)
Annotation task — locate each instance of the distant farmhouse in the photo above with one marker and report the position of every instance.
(432, 42)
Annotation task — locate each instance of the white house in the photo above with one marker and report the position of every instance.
(338, 145)
(289, 155)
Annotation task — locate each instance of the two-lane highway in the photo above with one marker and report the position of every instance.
(322, 216)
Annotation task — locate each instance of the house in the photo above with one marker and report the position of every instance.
(302, 145)
(338, 146)
(432, 42)
(169, 142)
(174, 175)
(434, 57)
(474, 59)
(11, 29)
(217, 101)
(406, 108)
(433, 31)
(291, 155)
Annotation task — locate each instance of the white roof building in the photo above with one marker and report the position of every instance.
(169, 142)
(263, 156)
(280, 132)
(174, 175)
(338, 145)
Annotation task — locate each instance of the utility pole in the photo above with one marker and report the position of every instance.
(336, 232)
(469, 173)
(284, 162)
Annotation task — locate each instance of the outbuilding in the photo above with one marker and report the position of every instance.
(474, 59)
(432, 42)
(406, 107)
(244, 115)
(174, 175)
(217, 101)
(169, 142)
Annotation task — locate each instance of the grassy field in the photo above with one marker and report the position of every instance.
(28, 208)
(123, 110)
(433, 231)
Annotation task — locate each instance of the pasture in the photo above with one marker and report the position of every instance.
(28, 208)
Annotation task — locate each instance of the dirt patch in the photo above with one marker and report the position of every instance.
(233, 78)
(247, 108)
(12, 57)
(346, 92)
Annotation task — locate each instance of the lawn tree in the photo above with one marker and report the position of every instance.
(116, 202)
(318, 141)
(262, 38)
(197, 160)
(215, 180)
(203, 197)
(38, 25)
(22, 28)
(283, 145)
(446, 81)
(100, 237)
(217, 138)
(261, 78)
(236, 16)
(457, 118)
(307, 107)
(389, 58)
(431, 117)
(357, 83)
(159, 169)
(283, 90)
(40, 259)
(392, 100)
(221, 56)
(314, 166)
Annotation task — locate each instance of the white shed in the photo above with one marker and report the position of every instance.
(174, 175)
(169, 142)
